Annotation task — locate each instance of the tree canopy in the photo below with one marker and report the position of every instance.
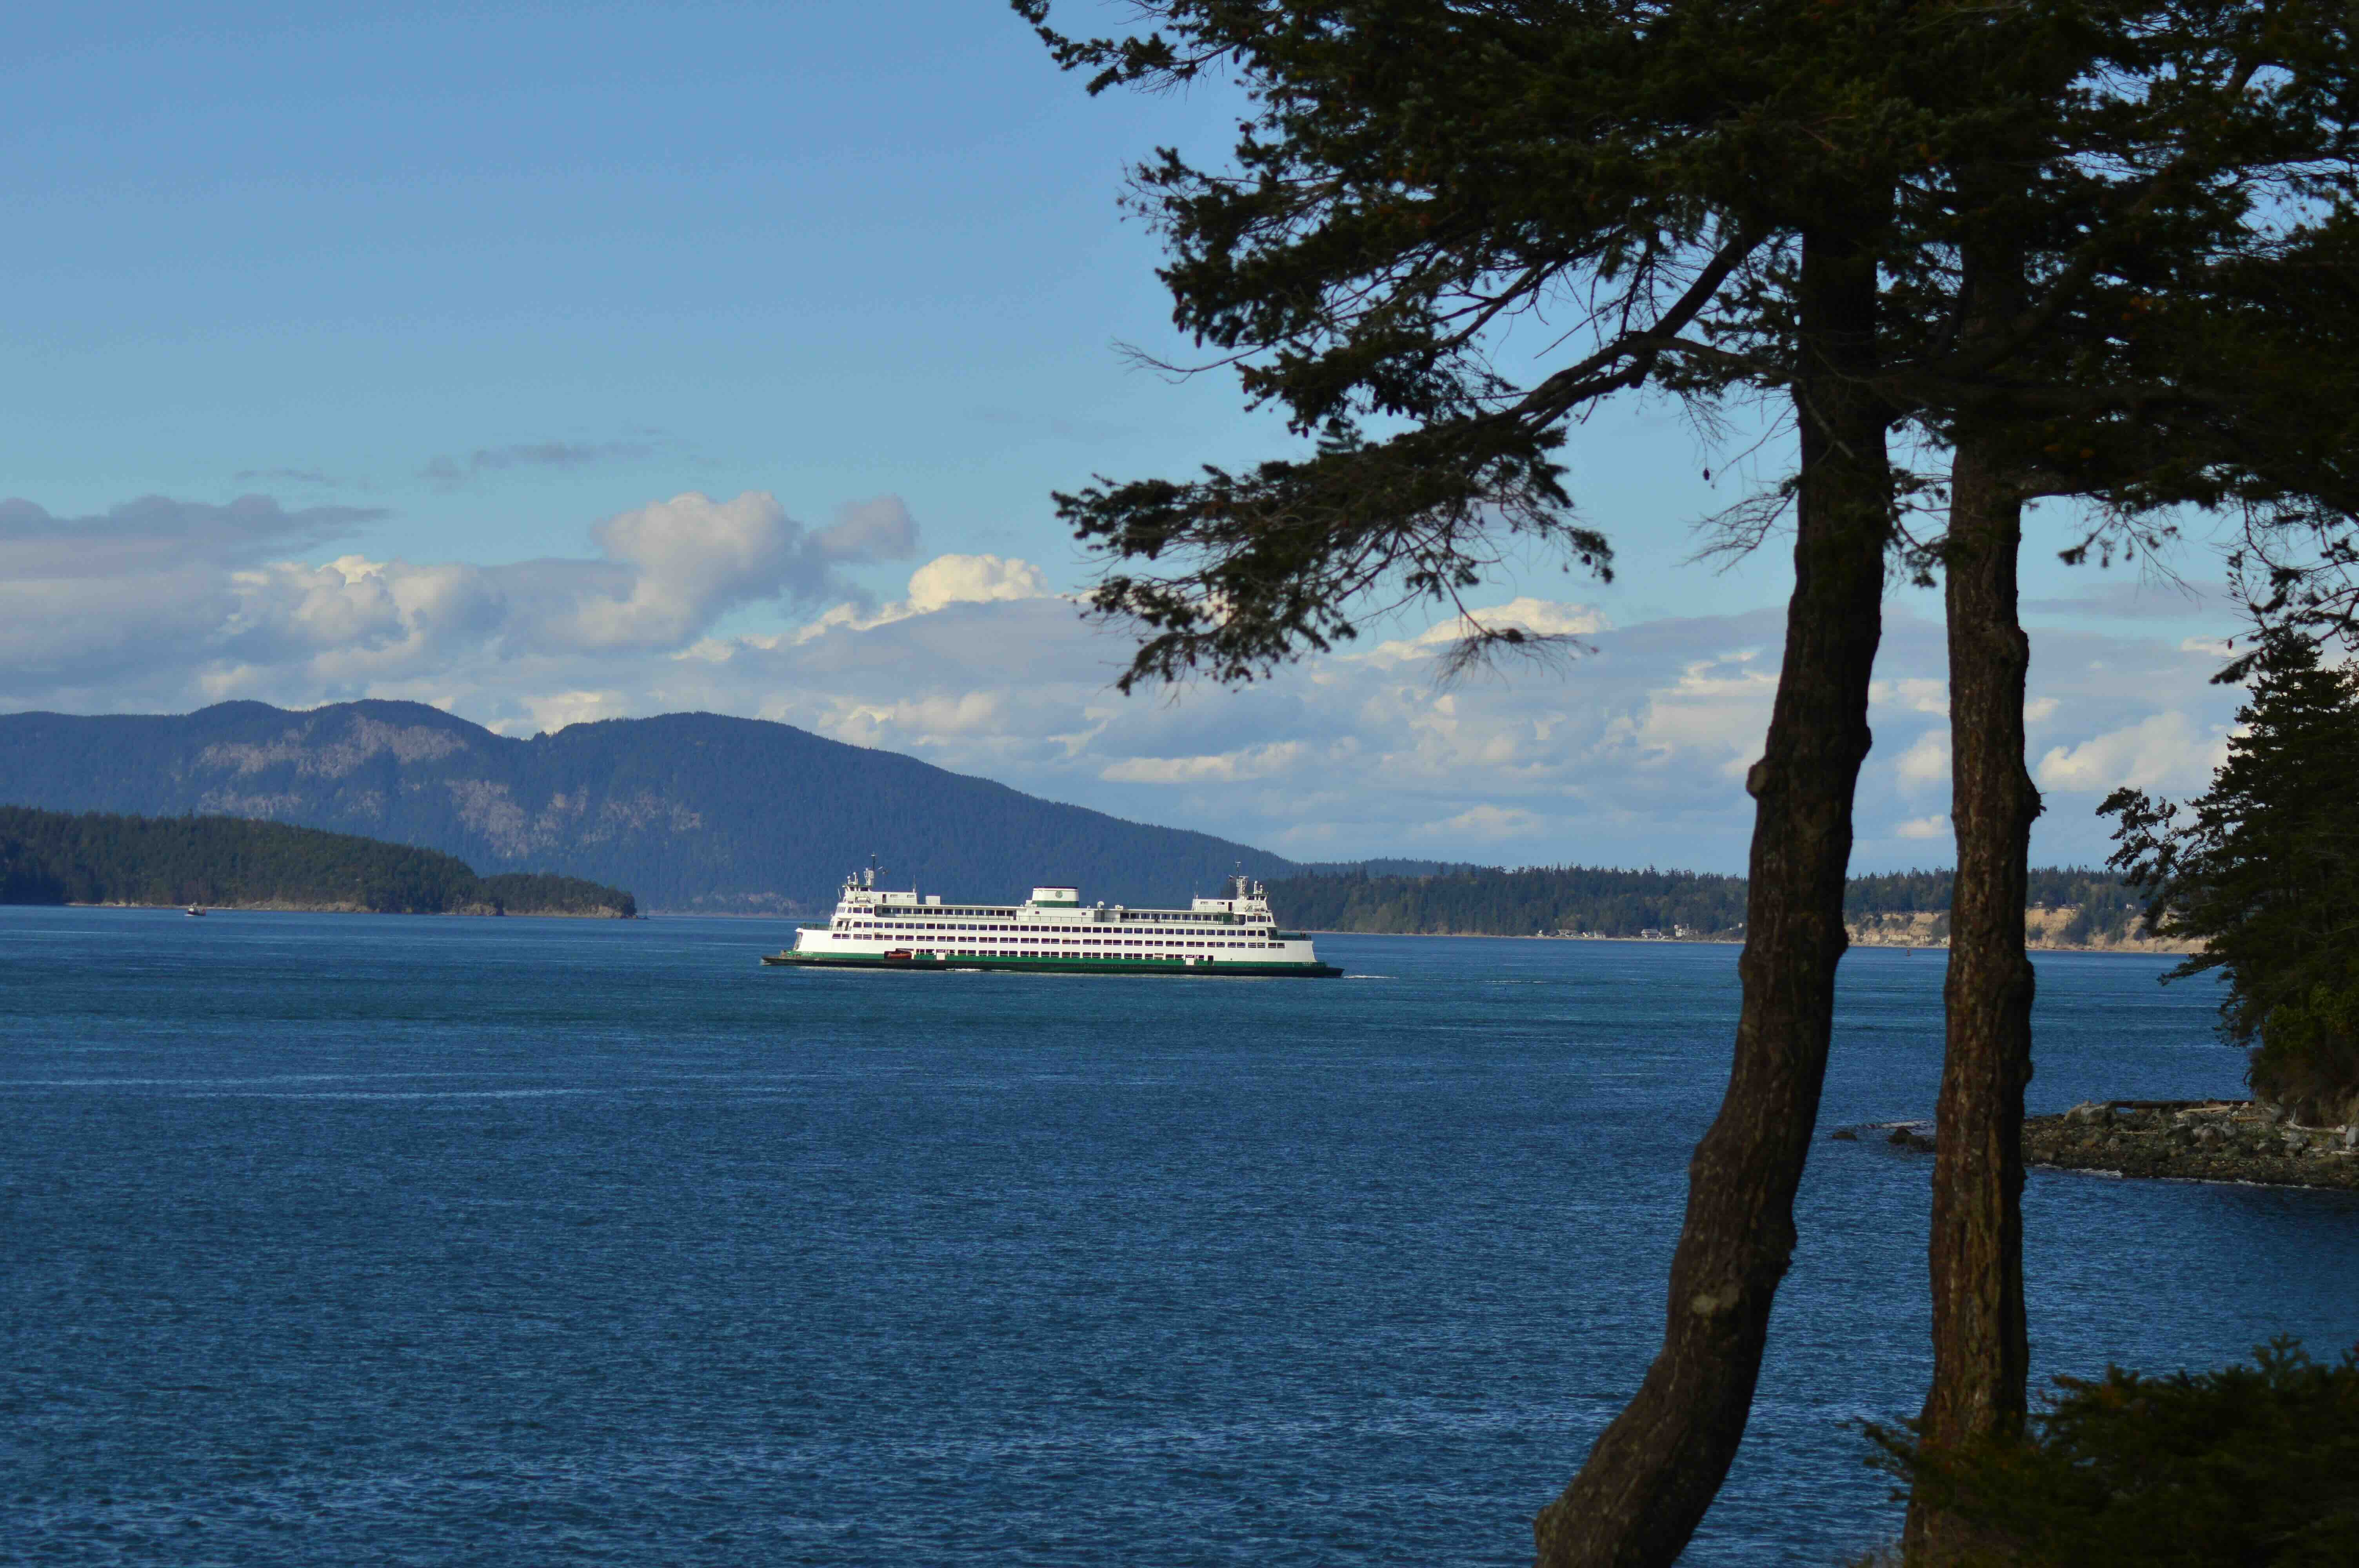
(2263, 869)
(2054, 237)
(2248, 1464)
(2164, 188)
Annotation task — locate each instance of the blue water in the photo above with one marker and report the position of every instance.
(386, 1240)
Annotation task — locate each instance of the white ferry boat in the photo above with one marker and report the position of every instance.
(1234, 936)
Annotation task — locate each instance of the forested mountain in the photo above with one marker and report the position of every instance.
(697, 811)
(54, 857)
(689, 810)
(1549, 899)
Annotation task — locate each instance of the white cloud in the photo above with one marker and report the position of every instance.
(1926, 761)
(942, 582)
(1541, 617)
(691, 558)
(160, 595)
(1917, 696)
(1226, 767)
(1715, 711)
(2167, 751)
(972, 579)
(1632, 752)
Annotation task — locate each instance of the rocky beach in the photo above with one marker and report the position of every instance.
(2202, 1141)
(2187, 1141)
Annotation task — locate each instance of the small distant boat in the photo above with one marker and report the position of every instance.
(193, 913)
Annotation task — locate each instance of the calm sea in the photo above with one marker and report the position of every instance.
(387, 1240)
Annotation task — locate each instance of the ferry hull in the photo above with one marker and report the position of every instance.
(1232, 970)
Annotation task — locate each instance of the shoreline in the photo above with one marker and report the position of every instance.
(275, 906)
(2109, 949)
(2223, 1142)
(2195, 1140)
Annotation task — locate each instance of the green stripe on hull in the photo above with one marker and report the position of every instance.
(1056, 965)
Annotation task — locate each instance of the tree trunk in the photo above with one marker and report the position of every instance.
(1980, 1359)
(1655, 1469)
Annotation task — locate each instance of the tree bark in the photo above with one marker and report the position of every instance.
(1980, 1355)
(1655, 1470)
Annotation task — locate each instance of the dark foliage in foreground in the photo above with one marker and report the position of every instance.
(52, 856)
(2263, 867)
(1488, 901)
(2251, 1467)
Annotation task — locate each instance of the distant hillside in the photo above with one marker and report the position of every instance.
(2102, 909)
(689, 810)
(52, 856)
(1550, 899)
(1490, 901)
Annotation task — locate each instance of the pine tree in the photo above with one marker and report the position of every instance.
(1873, 211)
(2264, 870)
(2175, 225)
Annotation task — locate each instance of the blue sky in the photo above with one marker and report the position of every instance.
(481, 303)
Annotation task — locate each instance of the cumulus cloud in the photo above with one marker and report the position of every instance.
(158, 595)
(942, 582)
(1917, 696)
(673, 567)
(1634, 753)
(89, 605)
(2167, 750)
(1926, 762)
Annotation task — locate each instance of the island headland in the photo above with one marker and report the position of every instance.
(2199, 1140)
(226, 862)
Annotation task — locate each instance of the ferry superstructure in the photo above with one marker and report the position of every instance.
(1231, 936)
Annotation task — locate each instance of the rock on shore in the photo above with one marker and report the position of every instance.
(2209, 1141)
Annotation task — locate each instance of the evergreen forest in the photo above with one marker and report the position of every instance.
(1547, 900)
(54, 857)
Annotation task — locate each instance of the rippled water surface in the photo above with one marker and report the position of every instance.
(387, 1240)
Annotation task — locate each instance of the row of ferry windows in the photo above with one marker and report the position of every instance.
(1107, 942)
(1123, 922)
(926, 926)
